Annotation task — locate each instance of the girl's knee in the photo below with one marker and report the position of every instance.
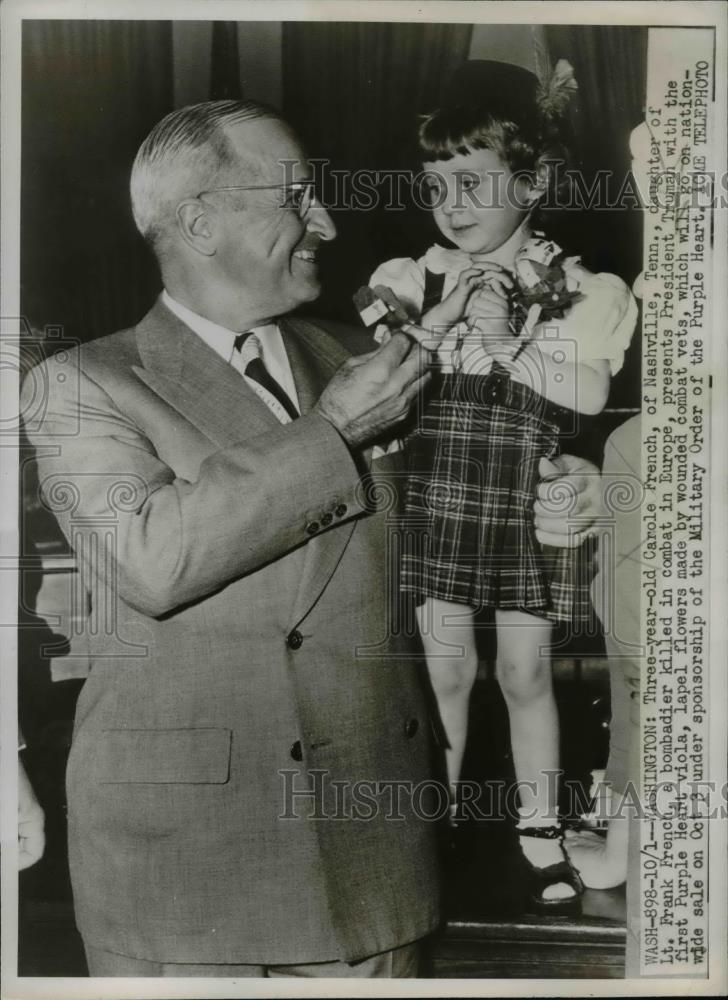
(523, 680)
(453, 678)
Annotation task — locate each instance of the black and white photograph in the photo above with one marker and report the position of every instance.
(363, 532)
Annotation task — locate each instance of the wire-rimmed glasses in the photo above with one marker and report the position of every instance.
(298, 195)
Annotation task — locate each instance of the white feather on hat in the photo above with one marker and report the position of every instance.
(556, 86)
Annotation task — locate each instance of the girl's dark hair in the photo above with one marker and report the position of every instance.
(491, 105)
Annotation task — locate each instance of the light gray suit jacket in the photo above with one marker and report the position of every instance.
(242, 591)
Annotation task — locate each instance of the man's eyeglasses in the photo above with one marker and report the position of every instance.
(298, 195)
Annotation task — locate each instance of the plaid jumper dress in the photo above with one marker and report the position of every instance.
(468, 533)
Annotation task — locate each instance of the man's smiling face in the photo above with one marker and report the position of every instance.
(268, 238)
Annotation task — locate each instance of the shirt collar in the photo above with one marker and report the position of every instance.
(220, 339)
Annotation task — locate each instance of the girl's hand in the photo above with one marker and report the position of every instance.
(495, 276)
(451, 310)
(488, 312)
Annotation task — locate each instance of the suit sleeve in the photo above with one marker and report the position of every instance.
(169, 541)
(616, 589)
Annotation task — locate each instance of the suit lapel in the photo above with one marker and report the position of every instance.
(314, 356)
(206, 390)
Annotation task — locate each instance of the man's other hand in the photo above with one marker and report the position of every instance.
(31, 836)
(568, 501)
(372, 393)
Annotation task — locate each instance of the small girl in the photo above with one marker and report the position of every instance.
(498, 404)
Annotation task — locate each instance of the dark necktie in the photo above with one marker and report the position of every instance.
(248, 346)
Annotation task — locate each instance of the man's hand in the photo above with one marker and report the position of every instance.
(31, 838)
(372, 393)
(568, 501)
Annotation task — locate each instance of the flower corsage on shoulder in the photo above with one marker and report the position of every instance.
(545, 285)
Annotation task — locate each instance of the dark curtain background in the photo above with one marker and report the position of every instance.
(225, 66)
(353, 92)
(610, 64)
(91, 92)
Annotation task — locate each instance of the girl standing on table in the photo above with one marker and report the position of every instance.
(523, 340)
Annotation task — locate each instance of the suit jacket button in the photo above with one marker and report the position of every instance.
(341, 510)
(295, 639)
(297, 751)
(326, 520)
(312, 528)
(410, 728)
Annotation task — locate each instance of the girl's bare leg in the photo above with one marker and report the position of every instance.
(448, 638)
(523, 668)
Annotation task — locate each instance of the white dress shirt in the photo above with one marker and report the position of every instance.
(222, 341)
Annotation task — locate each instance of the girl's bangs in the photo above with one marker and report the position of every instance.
(442, 136)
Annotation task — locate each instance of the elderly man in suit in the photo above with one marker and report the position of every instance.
(246, 747)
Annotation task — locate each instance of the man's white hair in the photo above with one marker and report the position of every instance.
(182, 156)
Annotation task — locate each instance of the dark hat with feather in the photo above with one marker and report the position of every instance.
(507, 92)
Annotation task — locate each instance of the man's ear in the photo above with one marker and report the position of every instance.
(196, 227)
